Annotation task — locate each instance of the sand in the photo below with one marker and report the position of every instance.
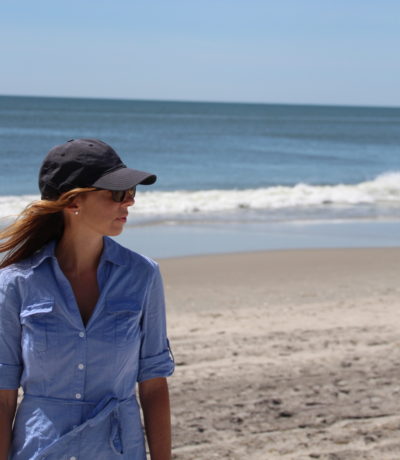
(285, 354)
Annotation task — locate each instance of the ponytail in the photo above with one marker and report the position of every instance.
(40, 222)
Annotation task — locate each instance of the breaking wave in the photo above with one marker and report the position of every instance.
(384, 190)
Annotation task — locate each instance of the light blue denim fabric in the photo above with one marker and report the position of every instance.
(79, 382)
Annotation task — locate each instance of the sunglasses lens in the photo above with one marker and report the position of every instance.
(119, 195)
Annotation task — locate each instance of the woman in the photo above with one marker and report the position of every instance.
(82, 319)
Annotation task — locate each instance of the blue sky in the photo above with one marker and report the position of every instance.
(282, 51)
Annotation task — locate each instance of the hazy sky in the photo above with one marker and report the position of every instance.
(290, 51)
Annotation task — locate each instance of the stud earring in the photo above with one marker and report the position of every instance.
(76, 213)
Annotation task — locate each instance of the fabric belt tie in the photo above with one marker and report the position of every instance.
(106, 407)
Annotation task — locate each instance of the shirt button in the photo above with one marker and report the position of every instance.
(78, 396)
(81, 366)
(82, 334)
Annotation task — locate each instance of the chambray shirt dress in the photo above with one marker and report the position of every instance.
(79, 382)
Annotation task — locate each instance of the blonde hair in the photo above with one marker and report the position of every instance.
(40, 222)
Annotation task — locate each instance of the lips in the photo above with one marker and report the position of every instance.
(122, 219)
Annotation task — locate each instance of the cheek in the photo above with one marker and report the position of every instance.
(98, 217)
(99, 213)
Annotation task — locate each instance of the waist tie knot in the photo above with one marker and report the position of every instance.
(106, 407)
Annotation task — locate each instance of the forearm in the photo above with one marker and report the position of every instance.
(5, 434)
(8, 405)
(154, 399)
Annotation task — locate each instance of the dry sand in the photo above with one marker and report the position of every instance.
(286, 355)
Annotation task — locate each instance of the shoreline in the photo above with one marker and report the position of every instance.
(167, 241)
(172, 239)
(289, 354)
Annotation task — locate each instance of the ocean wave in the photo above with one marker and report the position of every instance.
(384, 190)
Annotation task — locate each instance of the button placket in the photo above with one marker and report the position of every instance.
(73, 448)
(80, 364)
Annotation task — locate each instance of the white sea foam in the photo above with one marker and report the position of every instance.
(384, 190)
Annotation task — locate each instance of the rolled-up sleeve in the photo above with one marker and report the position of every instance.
(10, 335)
(156, 359)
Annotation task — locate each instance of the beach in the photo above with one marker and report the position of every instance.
(288, 354)
(283, 350)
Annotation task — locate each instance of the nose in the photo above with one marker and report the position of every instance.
(128, 200)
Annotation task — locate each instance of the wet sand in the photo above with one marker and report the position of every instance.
(285, 354)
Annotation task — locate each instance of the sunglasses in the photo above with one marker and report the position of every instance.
(120, 195)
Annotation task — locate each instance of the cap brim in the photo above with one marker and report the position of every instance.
(124, 178)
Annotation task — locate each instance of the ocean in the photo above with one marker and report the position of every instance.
(252, 169)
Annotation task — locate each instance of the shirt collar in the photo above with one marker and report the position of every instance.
(112, 252)
(46, 252)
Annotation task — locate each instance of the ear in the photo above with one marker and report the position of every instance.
(73, 207)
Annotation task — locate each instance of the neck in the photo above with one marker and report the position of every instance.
(78, 253)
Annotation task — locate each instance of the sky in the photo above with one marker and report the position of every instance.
(342, 52)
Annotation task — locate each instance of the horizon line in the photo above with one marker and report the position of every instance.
(313, 104)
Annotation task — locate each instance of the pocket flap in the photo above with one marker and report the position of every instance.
(38, 308)
(123, 306)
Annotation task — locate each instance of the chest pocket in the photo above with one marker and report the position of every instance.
(38, 324)
(126, 316)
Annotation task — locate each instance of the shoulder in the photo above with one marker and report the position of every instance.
(13, 280)
(23, 271)
(10, 278)
(12, 273)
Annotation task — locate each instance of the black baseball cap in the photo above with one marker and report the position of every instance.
(86, 163)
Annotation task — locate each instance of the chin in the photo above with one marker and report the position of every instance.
(114, 232)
